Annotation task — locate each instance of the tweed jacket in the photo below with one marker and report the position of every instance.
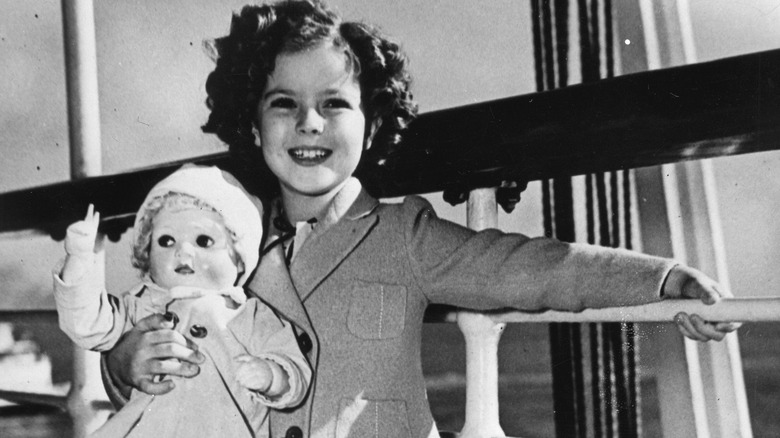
(357, 291)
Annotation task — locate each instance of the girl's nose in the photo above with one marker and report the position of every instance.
(310, 122)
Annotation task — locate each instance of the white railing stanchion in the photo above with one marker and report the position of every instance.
(78, 22)
(482, 335)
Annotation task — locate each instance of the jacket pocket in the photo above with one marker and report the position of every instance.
(361, 418)
(377, 311)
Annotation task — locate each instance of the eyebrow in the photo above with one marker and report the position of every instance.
(287, 91)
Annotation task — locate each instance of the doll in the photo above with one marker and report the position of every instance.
(197, 238)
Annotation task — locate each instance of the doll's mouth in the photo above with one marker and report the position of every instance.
(184, 269)
(309, 156)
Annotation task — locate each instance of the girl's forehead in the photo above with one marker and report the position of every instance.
(324, 65)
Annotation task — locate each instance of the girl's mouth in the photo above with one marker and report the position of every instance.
(309, 155)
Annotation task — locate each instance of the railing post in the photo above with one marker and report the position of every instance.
(85, 156)
(482, 336)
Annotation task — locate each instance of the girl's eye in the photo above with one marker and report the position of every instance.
(337, 103)
(204, 241)
(282, 102)
(165, 241)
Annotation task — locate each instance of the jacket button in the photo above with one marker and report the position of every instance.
(294, 432)
(304, 342)
(198, 331)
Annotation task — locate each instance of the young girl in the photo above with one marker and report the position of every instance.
(312, 94)
(197, 236)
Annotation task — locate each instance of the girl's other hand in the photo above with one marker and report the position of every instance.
(150, 350)
(686, 282)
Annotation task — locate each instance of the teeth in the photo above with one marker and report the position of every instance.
(308, 154)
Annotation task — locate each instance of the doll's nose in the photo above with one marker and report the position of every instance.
(185, 250)
(310, 122)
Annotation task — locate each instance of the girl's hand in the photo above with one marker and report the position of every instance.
(254, 373)
(150, 350)
(686, 282)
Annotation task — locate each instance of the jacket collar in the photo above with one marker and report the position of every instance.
(342, 228)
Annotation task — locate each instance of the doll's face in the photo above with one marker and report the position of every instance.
(311, 121)
(191, 247)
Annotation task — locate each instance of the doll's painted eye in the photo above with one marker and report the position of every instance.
(165, 241)
(204, 241)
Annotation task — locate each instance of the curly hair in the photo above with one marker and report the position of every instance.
(143, 234)
(247, 55)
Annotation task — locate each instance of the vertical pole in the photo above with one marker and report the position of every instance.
(82, 87)
(85, 161)
(482, 336)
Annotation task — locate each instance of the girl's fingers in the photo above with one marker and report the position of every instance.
(172, 350)
(153, 323)
(90, 209)
(706, 329)
(685, 326)
(155, 388)
(727, 327)
(172, 367)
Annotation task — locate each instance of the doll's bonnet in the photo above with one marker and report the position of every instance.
(241, 211)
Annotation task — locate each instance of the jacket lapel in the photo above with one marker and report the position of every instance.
(271, 283)
(330, 244)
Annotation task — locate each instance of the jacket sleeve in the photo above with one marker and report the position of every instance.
(92, 318)
(268, 336)
(491, 269)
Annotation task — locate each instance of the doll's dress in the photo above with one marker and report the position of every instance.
(211, 404)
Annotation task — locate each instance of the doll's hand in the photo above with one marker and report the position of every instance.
(151, 349)
(80, 237)
(254, 373)
(686, 282)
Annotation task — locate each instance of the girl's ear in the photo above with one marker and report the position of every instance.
(256, 135)
(372, 130)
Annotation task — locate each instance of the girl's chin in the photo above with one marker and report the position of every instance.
(312, 190)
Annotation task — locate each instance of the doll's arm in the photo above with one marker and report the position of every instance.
(275, 369)
(262, 375)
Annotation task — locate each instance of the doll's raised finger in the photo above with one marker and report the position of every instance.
(90, 210)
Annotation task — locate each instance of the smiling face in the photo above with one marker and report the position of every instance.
(311, 122)
(191, 247)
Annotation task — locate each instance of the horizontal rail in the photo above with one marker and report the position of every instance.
(54, 400)
(728, 309)
(725, 107)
